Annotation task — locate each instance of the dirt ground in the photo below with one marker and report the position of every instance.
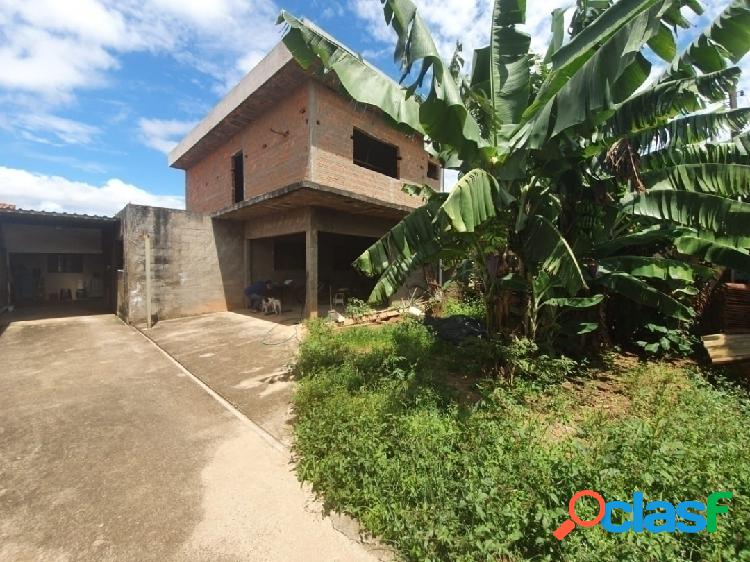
(110, 451)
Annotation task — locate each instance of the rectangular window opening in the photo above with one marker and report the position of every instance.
(374, 154)
(433, 171)
(238, 177)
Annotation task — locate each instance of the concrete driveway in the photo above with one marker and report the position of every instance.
(110, 451)
(243, 357)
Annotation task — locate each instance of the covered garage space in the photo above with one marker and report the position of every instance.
(55, 264)
(303, 239)
(282, 260)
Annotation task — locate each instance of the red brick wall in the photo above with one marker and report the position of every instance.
(272, 160)
(332, 153)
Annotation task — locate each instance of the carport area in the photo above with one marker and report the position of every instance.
(282, 261)
(57, 264)
(303, 239)
(110, 450)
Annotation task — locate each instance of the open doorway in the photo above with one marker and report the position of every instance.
(338, 280)
(56, 265)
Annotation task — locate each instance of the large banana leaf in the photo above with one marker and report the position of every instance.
(362, 81)
(546, 248)
(642, 293)
(476, 198)
(558, 33)
(662, 101)
(656, 268)
(723, 153)
(739, 242)
(727, 38)
(599, 67)
(509, 62)
(692, 209)
(416, 235)
(443, 114)
(413, 242)
(728, 180)
(574, 302)
(690, 129)
(658, 234)
(714, 252)
(431, 229)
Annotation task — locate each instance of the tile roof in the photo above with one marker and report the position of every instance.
(6, 209)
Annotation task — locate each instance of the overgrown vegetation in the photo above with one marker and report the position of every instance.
(585, 178)
(357, 308)
(395, 429)
(597, 204)
(473, 306)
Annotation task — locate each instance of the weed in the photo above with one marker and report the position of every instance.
(382, 438)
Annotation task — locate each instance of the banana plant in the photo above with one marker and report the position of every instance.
(586, 157)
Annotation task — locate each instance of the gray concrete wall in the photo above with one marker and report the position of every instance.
(197, 264)
(4, 275)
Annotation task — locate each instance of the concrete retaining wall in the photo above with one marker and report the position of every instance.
(197, 264)
(4, 275)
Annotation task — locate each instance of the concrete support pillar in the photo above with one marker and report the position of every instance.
(148, 262)
(311, 263)
(247, 260)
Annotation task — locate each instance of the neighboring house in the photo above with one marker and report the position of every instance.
(48, 257)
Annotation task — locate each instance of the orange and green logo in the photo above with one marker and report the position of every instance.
(638, 516)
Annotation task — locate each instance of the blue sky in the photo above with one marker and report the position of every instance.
(94, 93)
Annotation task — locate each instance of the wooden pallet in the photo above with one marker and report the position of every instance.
(734, 307)
(727, 348)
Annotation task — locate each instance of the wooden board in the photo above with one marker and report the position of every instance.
(727, 348)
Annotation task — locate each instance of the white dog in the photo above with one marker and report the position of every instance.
(271, 306)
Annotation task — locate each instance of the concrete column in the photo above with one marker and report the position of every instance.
(147, 259)
(311, 263)
(246, 261)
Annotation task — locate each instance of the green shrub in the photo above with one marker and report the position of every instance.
(381, 438)
(357, 308)
(469, 305)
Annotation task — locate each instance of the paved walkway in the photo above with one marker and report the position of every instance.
(243, 357)
(110, 451)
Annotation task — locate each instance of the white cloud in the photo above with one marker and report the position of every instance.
(468, 21)
(163, 134)
(39, 61)
(332, 10)
(50, 129)
(51, 48)
(29, 190)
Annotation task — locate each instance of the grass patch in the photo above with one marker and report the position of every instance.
(470, 306)
(385, 434)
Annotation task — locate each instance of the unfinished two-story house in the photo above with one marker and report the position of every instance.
(288, 180)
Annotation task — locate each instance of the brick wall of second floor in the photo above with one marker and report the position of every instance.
(275, 152)
(333, 158)
(309, 135)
